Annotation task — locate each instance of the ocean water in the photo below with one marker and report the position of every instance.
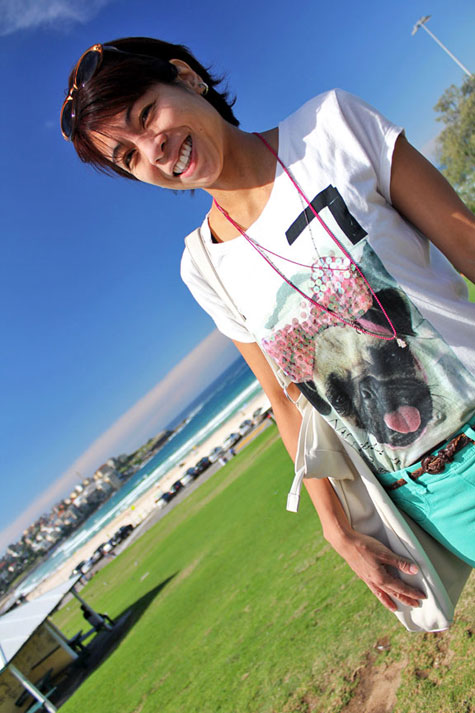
(222, 399)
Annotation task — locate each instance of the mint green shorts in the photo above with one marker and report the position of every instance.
(443, 504)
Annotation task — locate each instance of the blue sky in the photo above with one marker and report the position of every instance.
(94, 313)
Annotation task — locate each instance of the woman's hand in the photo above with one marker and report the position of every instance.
(372, 562)
(368, 558)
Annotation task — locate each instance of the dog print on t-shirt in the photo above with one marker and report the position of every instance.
(359, 349)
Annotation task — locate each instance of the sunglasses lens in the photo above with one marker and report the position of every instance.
(67, 120)
(87, 67)
(85, 70)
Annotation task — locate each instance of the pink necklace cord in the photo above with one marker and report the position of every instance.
(260, 249)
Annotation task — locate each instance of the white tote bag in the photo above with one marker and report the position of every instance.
(368, 507)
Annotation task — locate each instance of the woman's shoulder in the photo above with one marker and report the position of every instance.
(321, 115)
(337, 117)
(331, 104)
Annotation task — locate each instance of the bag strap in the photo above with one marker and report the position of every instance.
(201, 260)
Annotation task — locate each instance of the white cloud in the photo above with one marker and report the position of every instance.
(29, 14)
(144, 419)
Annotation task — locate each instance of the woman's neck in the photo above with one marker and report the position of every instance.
(245, 184)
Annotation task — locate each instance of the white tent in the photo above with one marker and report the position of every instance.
(18, 625)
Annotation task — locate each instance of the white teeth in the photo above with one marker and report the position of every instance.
(184, 158)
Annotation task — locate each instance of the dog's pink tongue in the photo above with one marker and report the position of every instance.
(406, 419)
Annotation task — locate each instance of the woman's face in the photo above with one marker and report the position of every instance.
(170, 137)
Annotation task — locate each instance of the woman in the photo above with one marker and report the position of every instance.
(317, 232)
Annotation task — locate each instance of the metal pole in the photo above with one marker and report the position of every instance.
(104, 623)
(58, 636)
(422, 23)
(32, 689)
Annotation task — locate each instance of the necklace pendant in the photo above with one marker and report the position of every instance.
(401, 343)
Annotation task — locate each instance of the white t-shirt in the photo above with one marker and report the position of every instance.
(391, 403)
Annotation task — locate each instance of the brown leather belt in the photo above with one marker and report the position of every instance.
(436, 462)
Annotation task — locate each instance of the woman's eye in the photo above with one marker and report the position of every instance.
(145, 114)
(128, 159)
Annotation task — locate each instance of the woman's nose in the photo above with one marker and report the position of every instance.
(153, 147)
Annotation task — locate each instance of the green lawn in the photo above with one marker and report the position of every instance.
(240, 606)
(471, 290)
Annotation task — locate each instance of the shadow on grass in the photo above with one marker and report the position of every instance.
(104, 644)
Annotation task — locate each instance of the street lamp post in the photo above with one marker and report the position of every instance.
(422, 23)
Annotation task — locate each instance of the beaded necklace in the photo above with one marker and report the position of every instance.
(346, 264)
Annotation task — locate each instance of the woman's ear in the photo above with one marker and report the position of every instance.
(188, 76)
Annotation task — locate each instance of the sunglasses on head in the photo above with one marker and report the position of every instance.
(87, 66)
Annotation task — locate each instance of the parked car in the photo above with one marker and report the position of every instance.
(176, 487)
(122, 533)
(188, 477)
(245, 427)
(261, 414)
(201, 466)
(231, 440)
(115, 539)
(82, 567)
(257, 415)
(107, 547)
(88, 565)
(97, 555)
(125, 530)
(164, 499)
(78, 568)
(215, 454)
(104, 548)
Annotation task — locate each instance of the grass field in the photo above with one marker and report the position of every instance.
(241, 607)
(471, 290)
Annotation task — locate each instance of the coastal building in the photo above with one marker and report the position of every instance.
(15, 550)
(107, 474)
(90, 498)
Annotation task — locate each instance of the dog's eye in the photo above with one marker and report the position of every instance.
(342, 403)
(338, 395)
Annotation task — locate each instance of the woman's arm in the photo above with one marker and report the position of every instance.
(367, 557)
(423, 196)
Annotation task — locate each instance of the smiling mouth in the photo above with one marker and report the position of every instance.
(184, 158)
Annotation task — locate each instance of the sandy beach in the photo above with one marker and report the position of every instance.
(145, 503)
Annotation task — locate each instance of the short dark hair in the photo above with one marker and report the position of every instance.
(123, 78)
